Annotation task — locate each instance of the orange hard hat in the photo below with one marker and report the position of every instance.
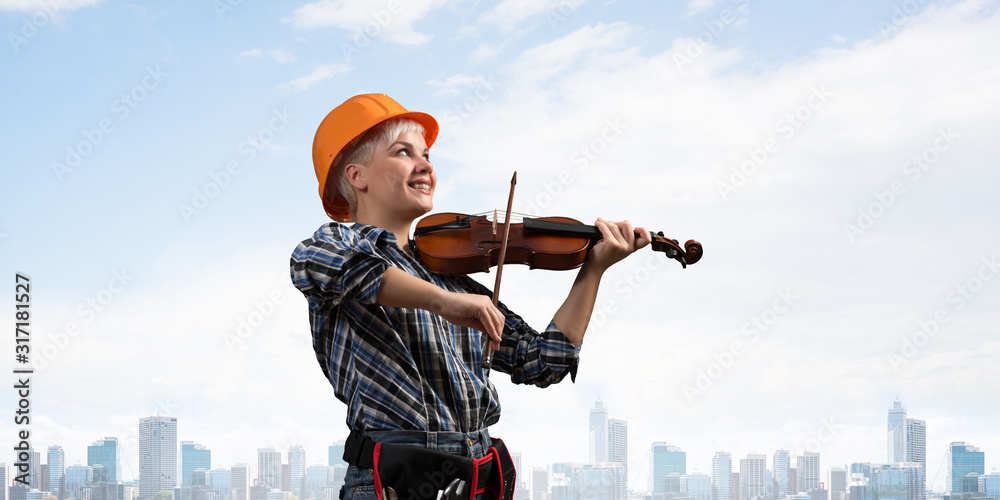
(345, 125)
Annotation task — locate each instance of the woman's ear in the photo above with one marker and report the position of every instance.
(355, 174)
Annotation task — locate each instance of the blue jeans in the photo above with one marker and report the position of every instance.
(359, 484)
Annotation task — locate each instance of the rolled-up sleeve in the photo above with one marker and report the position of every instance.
(336, 265)
(529, 356)
(538, 358)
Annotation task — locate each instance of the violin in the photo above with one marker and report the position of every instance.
(453, 243)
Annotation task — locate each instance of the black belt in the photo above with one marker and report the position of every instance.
(358, 451)
(420, 472)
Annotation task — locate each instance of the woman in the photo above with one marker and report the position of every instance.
(402, 346)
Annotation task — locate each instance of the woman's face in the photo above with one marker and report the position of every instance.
(401, 177)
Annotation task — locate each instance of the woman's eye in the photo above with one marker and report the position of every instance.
(403, 151)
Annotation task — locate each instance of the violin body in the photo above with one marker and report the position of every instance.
(453, 243)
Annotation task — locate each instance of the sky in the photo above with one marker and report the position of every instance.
(837, 160)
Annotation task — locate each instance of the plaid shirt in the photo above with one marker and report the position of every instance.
(409, 369)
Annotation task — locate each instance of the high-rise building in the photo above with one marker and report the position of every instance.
(336, 454)
(239, 481)
(722, 472)
(57, 471)
(859, 481)
(521, 485)
(157, 455)
(915, 474)
(598, 433)
(618, 442)
(105, 453)
(35, 474)
(889, 482)
(297, 471)
(897, 433)
(539, 483)
(697, 485)
(807, 471)
(753, 477)
(193, 457)
(667, 459)
(989, 484)
(5, 479)
(837, 483)
(77, 476)
(780, 487)
(317, 478)
(269, 468)
(221, 480)
(963, 459)
(916, 446)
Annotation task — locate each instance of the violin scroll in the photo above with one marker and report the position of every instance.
(690, 254)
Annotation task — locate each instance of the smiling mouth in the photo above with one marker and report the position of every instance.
(421, 185)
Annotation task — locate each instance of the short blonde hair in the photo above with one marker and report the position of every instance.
(363, 153)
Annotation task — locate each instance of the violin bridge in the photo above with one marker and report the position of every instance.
(494, 223)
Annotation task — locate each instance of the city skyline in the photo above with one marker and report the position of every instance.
(810, 470)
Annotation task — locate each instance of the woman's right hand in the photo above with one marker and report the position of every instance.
(473, 311)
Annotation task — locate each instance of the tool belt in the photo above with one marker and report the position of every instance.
(417, 473)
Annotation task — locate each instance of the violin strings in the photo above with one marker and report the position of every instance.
(516, 217)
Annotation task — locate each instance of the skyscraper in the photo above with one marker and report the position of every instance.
(193, 457)
(859, 481)
(897, 433)
(269, 468)
(336, 454)
(807, 472)
(57, 471)
(990, 484)
(598, 433)
(239, 481)
(837, 484)
(618, 442)
(539, 483)
(297, 470)
(157, 455)
(753, 477)
(667, 460)
(781, 463)
(5, 479)
(963, 459)
(722, 476)
(220, 480)
(77, 476)
(34, 470)
(104, 452)
(916, 446)
(697, 485)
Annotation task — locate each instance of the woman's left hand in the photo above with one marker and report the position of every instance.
(619, 242)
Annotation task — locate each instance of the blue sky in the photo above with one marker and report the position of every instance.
(835, 158)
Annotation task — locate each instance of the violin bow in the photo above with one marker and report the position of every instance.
(488, 354)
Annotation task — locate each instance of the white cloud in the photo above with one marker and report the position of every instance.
(508, 14)
(282, 56)
(50, 6)
(696, 6)
(371, 19)
(321, 73)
